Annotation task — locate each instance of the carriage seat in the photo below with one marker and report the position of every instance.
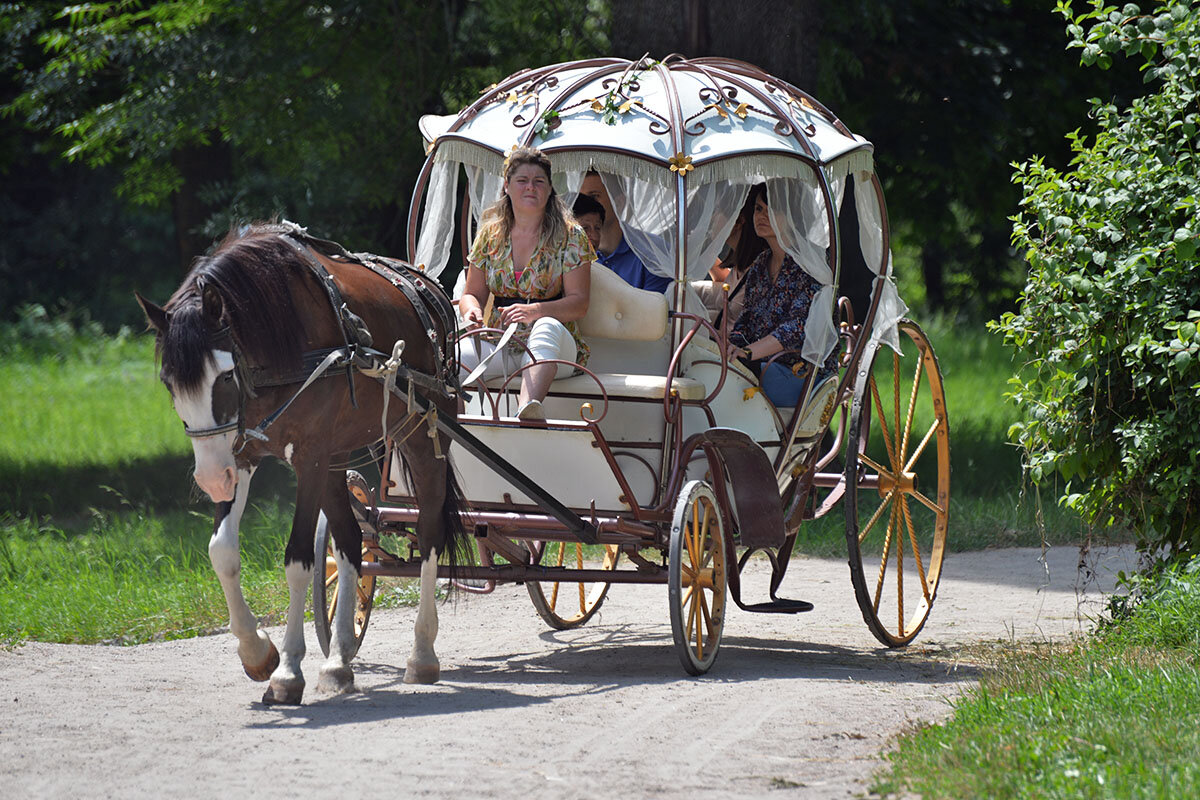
(619, 311)
(626, 329)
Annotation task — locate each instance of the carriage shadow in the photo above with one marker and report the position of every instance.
(604, 659)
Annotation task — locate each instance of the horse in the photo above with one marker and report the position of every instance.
(232, 342)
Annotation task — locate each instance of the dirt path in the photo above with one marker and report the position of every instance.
(794, 705)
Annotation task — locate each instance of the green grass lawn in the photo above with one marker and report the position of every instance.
(1115, 715)
(96, 493)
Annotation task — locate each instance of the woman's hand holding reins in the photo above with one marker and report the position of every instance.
(526, 313)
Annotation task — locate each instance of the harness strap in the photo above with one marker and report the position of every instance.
(259, 431)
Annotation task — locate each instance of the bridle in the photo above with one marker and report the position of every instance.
(356, 352)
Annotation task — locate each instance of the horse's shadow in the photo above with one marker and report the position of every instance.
(603, 659)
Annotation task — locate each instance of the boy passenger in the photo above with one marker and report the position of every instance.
(590, 216)
(614, 251)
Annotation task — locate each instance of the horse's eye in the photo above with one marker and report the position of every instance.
(227, 376)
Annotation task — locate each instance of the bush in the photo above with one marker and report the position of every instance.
(1107, 322)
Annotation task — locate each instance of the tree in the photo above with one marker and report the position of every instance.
(233, 110)
(1108, 320)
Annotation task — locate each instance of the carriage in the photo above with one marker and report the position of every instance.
(661, 461)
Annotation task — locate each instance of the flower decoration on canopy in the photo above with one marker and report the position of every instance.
(681, 164)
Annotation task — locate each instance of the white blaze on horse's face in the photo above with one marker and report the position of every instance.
(216, 471)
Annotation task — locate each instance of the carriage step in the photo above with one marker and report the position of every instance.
(779, 606)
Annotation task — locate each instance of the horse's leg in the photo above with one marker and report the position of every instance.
(430, 490)
(259, 656)
(423, 666)
(336, 676)
(287, 681)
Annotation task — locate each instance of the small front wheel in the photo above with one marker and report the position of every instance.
(696, 577)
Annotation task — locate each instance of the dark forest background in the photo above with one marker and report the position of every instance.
(134, 134)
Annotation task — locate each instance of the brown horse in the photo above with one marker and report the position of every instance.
(233, 342)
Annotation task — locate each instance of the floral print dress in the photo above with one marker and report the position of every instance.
(779, 309)
(541, 280)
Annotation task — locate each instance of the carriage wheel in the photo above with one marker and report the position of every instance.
(696, 577)
(565, 605)
(897, 508)
(325, 580)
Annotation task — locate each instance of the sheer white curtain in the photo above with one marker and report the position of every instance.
(646, 211)
(798, 214)
(437, 225)
(870, 238)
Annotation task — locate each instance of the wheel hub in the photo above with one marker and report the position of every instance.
(906, 484)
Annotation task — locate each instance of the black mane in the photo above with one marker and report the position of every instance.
(251, 270)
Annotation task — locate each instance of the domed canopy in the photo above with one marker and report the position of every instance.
(639, 119)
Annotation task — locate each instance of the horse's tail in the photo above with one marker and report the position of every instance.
(456, 542)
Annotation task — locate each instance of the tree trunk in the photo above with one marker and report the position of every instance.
(199, 166)
(781, 36)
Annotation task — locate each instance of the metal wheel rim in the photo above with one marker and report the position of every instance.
(888, 514)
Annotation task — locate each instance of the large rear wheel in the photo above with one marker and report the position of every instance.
(897, 506)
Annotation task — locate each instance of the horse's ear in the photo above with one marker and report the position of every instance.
(214, 306)
(155, 315)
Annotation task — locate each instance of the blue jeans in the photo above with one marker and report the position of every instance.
(781, 385)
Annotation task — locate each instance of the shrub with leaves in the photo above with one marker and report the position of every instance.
(1107, 322)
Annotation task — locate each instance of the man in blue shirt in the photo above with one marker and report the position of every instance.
(614, 251)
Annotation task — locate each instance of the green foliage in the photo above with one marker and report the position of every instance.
(1161, 609)
(1107, 324)
(266, 107)
(1115, 715)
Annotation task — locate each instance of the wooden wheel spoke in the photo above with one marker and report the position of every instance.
(554, 597)
(912, 459)
(875, 465)
(912, 408)
(688, 591)
(912, 538)
(703, 625)
(693, 623)
(562, 552)
(331, 579)
(896, 406)
(883, 561)
(862, 534)
(899, 567)
(925, 501)
(883, 423)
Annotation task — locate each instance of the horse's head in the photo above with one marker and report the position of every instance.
(198, 368)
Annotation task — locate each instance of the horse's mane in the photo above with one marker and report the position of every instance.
(250, 270)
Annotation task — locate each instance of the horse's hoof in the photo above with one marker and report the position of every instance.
(263, 671)
(284, 693)
(422, 673)
(336, 680)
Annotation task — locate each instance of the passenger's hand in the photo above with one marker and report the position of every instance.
(522, 312)
(474, 318)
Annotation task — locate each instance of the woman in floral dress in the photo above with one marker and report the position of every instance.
(536, 261)
(778, 296)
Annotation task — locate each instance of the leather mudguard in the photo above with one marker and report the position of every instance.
(755, 490)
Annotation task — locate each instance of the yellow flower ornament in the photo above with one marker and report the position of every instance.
(680, 164)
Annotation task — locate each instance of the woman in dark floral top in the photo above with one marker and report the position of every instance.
(778, 296)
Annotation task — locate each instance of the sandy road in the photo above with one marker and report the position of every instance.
(799, 706)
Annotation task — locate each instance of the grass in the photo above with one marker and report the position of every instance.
(96, 496)
(1114, 715)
